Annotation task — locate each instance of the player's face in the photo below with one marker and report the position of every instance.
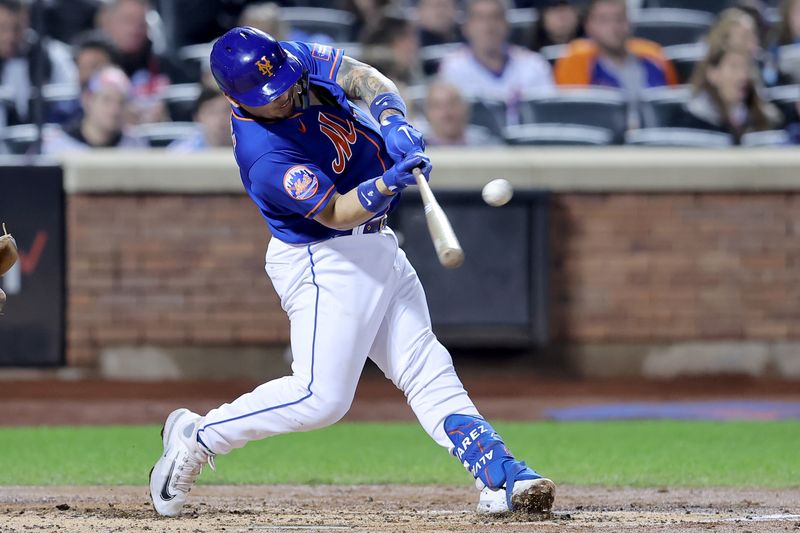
(280, 108)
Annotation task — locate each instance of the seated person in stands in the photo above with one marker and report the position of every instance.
(611, 57)
(437, 21)
(393, 46)
(489, 66)
(558, 23)
(16, 58)
(125, 24)
(104, 101)
(447, 115)
(725, 96)
(213, 116)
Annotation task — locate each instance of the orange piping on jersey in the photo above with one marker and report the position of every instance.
(241, 118)
(302, 126)
(377, 148)
(335, 58)
(320, 202)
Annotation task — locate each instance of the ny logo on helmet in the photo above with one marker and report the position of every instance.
(264, 66)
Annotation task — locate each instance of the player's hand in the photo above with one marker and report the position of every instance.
(401, 175)
(400, 137)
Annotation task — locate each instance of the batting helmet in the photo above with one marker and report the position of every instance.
(251, 67)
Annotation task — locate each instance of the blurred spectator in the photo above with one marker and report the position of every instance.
(447, 115)
(124, 22)
(735, 28)
(213, 116)
(558, 23)
(267, 18)
(611, 57)
(392, 47)
(93, 51)
(489, 66)
(66, 19)
(725, 96)
(103, 101)
(368, 14)
(437, 21)
(788, 31)
(17, 61)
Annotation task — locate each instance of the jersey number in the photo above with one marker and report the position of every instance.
(342, 138)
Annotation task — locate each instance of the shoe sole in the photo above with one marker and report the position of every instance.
(535, 498)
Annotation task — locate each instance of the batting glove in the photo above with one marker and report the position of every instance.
(401, 175)
(401, 138)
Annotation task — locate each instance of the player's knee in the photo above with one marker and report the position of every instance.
(332, 410)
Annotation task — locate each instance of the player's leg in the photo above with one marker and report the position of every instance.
(335, 296)
(410, 355)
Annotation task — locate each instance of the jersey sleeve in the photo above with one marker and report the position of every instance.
(286, 180)
(322, 62)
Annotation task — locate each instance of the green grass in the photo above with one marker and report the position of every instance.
(608, 453)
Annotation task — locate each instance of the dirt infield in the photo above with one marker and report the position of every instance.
(394, 509)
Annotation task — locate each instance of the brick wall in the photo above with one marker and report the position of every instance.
(675, 267)
(167, 271)
(187, 270)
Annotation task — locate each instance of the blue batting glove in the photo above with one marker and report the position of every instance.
(400, 137)
(401, 175)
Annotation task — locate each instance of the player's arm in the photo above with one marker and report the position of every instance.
(370, 198)
(364, 82)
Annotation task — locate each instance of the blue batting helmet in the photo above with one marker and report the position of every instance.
(251, 67)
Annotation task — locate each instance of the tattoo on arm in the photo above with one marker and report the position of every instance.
(362, 81)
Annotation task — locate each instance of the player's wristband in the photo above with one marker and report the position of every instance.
(371, 198)
(385, 101)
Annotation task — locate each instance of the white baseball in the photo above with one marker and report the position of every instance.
(497, 192)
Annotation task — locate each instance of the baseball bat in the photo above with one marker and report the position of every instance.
(449, 251)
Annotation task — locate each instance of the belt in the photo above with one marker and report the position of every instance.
(375, 225)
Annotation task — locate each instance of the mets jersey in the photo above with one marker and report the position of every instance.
(292, 167)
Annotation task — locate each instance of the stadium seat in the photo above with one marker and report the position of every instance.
(660, 106)
(19, 139)
(520, 22)
(685, 58)
(161, 134)
(585, 106)
(789, 61)
(334, 23)
(786, 98)
(491, 114)
(61, 101)
(685, 137)
(180, 100)
(709, 6)
(557, 134)
(766, 138)
(431, 56)
(195, 57)
(669, 27)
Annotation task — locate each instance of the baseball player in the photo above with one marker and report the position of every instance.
(324, 175)
(8, 257)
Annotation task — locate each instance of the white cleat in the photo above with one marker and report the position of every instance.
(532, 496)
(177, 469)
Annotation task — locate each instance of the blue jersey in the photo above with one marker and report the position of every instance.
(291, 168)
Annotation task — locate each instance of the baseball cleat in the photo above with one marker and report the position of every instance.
(176, 471)
(532, 496)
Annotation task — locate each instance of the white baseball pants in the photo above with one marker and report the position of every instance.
(348, 298)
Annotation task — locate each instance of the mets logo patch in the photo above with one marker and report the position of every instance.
(321, 51)
(264, 66)
(300, 183)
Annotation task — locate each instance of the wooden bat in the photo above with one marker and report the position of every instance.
(449, 251)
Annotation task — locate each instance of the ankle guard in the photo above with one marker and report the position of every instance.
(479, 448)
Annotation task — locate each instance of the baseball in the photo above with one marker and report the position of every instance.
(497, 192)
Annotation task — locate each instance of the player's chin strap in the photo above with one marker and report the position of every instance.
(484, 454)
